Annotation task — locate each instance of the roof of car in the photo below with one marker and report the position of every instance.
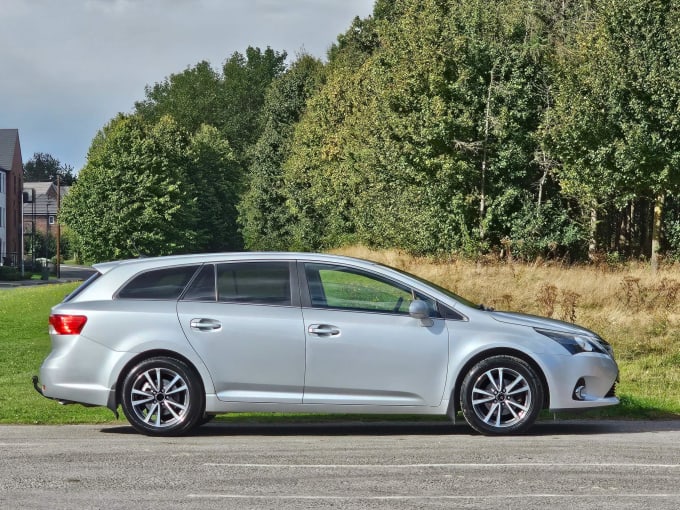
(172, 260)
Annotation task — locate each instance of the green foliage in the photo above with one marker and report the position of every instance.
(44, 246)
(672, 228)
(190, 97)
(417, 137)
(9, 274)
(263, 211)
(168, 178)
(44, 167)
(436, 126)
(546, 232)
(133, 196)
(230, 101)
(245, 82)
(153, 190)
(216, 180)
(614, 124)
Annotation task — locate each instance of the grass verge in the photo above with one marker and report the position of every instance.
(627, 306)
(24, 343)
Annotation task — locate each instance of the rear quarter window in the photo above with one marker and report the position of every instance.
(159, 284)
(82, 286)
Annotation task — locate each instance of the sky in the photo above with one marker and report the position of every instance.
(67, 67)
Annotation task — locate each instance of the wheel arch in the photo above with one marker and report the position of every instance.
(154, 353)
(454, 403)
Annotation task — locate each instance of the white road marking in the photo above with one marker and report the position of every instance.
(2, 445)
(442, 497)
(448, 465)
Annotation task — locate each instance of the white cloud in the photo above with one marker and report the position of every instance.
(69, 66)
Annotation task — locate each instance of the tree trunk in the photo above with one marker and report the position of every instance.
(656, 232)
(592, 242)
(487, 120)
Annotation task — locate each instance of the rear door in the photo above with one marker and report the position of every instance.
(245, 322)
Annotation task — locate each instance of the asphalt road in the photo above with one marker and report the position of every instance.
(67, 274)
(603, 465)
(75, 272)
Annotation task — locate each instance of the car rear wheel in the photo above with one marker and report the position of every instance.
(162, 396)
(501, 395)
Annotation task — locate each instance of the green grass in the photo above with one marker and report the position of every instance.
(646, 389)
(24, 343)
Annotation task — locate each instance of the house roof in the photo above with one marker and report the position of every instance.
(9, 138)
(45, 198)
(41, 188)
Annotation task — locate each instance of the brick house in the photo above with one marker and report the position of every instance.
(11, 186)
(41, 211)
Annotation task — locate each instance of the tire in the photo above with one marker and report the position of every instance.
(501, 395)
(206, 418)
(162, 396)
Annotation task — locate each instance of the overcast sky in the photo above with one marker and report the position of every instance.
(69, 66)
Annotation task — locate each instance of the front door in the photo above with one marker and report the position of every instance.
(362, 345)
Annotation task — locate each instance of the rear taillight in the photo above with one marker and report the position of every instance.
(67, 324)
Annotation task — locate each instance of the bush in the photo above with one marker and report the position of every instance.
(547, 232)
(9, 274)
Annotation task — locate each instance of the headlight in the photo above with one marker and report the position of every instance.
(575, 343)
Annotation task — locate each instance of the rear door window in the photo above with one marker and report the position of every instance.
(265, 283)
(159, 284)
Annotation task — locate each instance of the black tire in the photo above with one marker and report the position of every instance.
(501, 395)
(162, 396)
(206, 418)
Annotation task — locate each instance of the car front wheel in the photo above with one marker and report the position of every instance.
(501, 395)
(162, 396)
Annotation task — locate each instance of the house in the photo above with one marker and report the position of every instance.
(40, 207)
(40, 213)
(11, 186)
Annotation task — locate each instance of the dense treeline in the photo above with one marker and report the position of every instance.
(522, 127)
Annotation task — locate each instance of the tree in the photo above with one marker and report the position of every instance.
(154, 189)
(423, 136)
(244, 84)
(133, 196)
(230, 101)
(44, 167)
(216, 179)
(616, 107)
(190, 97)
(264, 213)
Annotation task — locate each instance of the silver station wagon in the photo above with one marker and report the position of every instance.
(177, 340)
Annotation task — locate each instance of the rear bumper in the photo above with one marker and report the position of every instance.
(39, 388)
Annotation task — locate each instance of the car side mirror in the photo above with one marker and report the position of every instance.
(418, 309)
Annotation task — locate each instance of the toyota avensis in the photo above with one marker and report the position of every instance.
(176, 340)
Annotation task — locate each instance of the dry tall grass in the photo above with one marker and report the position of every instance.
(638, 312)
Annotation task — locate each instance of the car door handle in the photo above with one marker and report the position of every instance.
(205, 324)
(323, 330)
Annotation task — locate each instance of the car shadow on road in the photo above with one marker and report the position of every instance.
(420, 428)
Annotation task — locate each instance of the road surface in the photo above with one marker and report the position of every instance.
(560, 465)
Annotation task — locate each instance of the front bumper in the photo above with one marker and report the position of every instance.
(584, 381)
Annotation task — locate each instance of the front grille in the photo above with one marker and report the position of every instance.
(611, 392)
